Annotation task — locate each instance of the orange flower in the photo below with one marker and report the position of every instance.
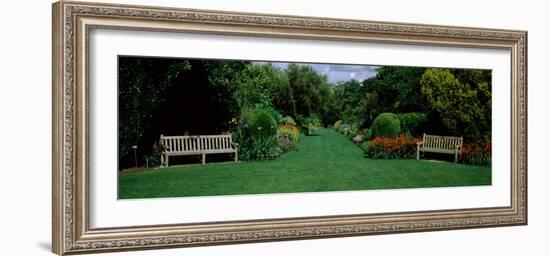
(401, 146)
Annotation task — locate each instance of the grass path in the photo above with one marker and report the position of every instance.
(326, 162)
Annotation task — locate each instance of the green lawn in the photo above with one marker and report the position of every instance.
(326, 162)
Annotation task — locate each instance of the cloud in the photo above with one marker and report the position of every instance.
(334, 72)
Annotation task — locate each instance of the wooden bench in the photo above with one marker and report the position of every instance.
(196, 145)
(439, 144)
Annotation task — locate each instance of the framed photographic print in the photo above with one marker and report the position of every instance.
(179, 127)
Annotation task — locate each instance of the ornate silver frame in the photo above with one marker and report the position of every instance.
(72, 22)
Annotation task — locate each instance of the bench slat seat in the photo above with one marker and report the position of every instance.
(439, 144)
(196, 145)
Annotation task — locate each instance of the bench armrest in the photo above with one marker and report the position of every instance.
(235, 144)
(420, 143)
(458, 148)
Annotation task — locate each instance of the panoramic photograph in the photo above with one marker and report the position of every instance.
(209, 127)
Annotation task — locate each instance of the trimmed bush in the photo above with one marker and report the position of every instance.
(386, 125)
(266, 106)
(410, 122)
(260, 123)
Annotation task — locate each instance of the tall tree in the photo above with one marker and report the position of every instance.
(462, 98)
(349, 101)
(397, 89)
(267, 85)
(311, 90)
(142, 83)
(161, 96)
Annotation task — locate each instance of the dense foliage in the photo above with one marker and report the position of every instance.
(266, 107)
(310, 124)
(478, 153)
(462, 98)
(257, 135)
(411, 122)
(142, 87)
(258, 149)
(288, 137)
(311, 93)
(412, 101)
(259, 124)
(392, 89)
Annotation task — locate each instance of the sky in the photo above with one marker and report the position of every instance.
(335, 72)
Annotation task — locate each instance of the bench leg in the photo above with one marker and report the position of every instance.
(203, 159)
(167, 161)
(456, 156)
(161, 160)
(417, 153)
(236, 156)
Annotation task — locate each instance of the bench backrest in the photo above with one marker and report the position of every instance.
(195, 143)
(441, 142)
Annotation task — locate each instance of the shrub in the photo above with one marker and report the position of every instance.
(259, 123)
(346, 131)
(288, 120)
(311, 124)
(152, 160)
(288, 137)
(352, 132)
(392, 148)
(337, 124)
(266, 106)
(290, 131)
(364, 146)
(367, 134)
(285, 144)
(343, 126)
(476, 153)
(386, 125)
(262, 148)
(410, 122)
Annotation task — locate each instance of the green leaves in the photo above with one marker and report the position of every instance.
(462, 98)
(411, 122)
(386, 125)
(141, 86)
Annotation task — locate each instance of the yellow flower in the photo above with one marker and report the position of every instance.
(234, 120)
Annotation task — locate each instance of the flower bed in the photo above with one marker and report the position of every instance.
(476, 153)
(391, 148)
(288, 137)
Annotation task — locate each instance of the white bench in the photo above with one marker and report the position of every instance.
(439, 144)
(196, 145)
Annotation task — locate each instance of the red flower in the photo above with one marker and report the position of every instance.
(401, 146)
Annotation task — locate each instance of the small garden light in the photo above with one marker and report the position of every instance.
(135, 147)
